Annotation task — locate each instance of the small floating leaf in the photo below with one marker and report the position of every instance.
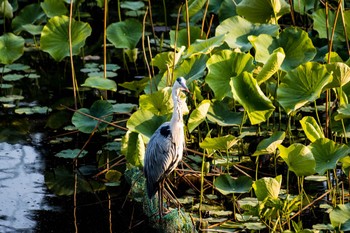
(228, 185)
(100, 83)
(13, 77)
(71, 154)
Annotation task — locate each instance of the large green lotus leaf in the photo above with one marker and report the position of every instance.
(271, 66)
(100, 83)
(312, 130)
(220, 114)
(219, 143)
(54, 8)
(145, 122)
(247, 92)
(238, 29)
(299, 159)
(205, 46)
(61, 181)
(302, 85)
(101, 109)
(194, 6)
(71, 154)
(125, 34)
(319, 17)
(28, 15)
(269, 145)
(198, 115)
(224, 65)
(340, 217)
(133, 148)
(343, 112)
(263, 11)
(295, 42)
(267, 187)
(228, 185)
(341, 74)
(227, 8)
(327, 153)
(11, 48)
(159, 103)
(55, 37)
(345, 164)
(163, 61)
(181, 38)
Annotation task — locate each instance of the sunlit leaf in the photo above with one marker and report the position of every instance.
(181, 36)
(198, 115)
(299, 159)
(133, 148)
(327, 153)
(193, 7)
(343, 112)
(100, 109)
(263, 11)
(269, 145)
(6, 9)
(237, 30)
(219, 143)
(13, 77)
(271, 66)
(340, 217)
(205, 46)
(267, 187)
(247, 92)
(71, 154)
(340, 72)
(100, 83)
(224, 65)
(302, 85)
(125, 34)
(11, 48)
(312, 130)
(295, 43)
(55, 37)
(228, 185)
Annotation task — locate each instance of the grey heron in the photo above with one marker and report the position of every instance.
(165, 148)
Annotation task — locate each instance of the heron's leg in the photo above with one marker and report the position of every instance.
(160, 200)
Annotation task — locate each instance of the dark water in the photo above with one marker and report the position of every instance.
(26, 204)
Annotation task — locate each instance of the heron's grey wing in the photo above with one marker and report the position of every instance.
(160, 158)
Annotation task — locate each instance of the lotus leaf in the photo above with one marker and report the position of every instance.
(238, 29)
(263, 11)
(312, 130)
(224, 65)
(295, 43)
(99, 109)
(247, 92)
(100, 83)
(133, 148)
(28, 15)
(198, 115)
(299, 159)
(267, 187)
(11, 48)
(55, 37)
(54, 8)
(125, 34)
(327, 153)
(219, 143)
(340, 217)
(302, 85)
(269, 145)
(71, 154)
(228, 185)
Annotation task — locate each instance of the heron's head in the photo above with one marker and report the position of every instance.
(180, 84)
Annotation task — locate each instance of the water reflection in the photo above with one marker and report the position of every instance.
(21, 187)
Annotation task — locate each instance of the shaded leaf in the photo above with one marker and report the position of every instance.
(28, 15)
(11, 48)
(220, 114)
(343, 112)
(54, 8)
(125, 34)
(71, 154)
(100, 83)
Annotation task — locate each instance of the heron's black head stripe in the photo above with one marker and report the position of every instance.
(165, 131)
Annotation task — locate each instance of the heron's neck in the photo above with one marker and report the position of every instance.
(177, 114)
